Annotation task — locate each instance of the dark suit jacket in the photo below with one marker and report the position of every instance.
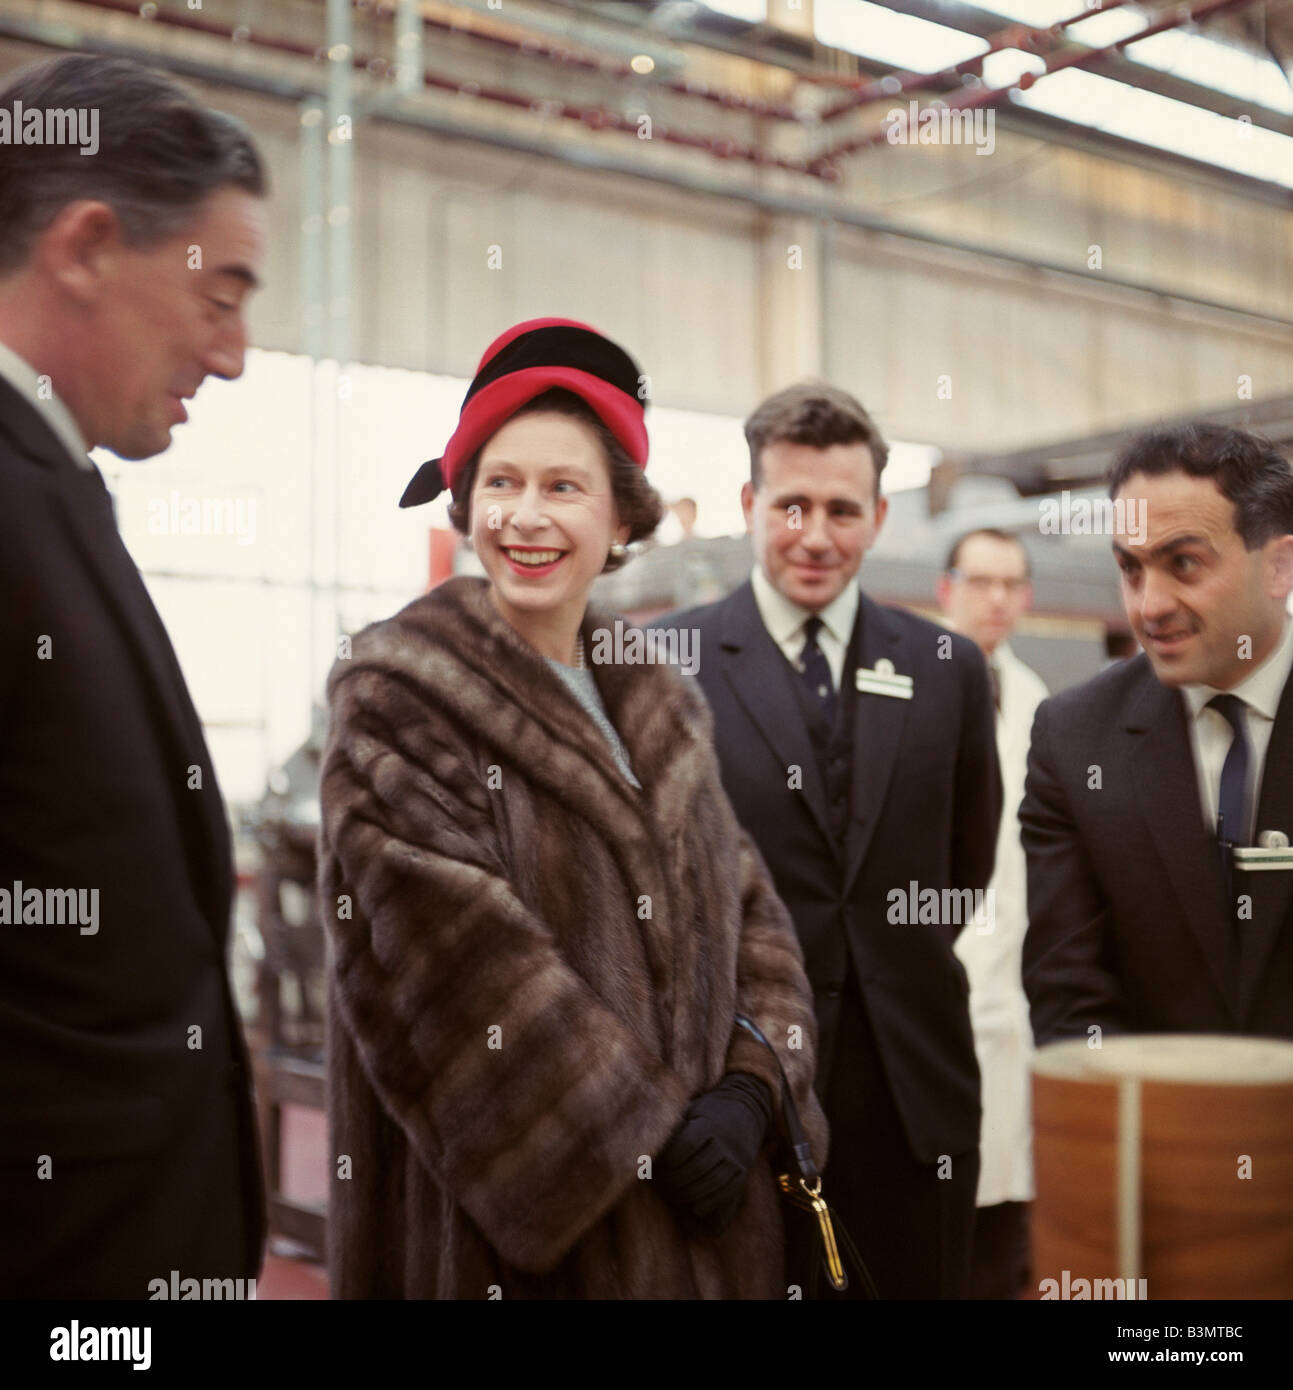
(1128, 925)
(925, 805)
(127, 1138)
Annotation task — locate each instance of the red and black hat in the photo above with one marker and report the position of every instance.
(527, 360)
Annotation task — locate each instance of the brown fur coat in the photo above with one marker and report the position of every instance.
(534, 968)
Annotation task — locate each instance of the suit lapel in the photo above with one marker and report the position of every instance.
(877, 731)
(759, 677)
(1272, 893)
(1167, 789)
(87, 511)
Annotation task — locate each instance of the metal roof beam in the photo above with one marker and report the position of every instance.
(984, 24)
(1086, 459)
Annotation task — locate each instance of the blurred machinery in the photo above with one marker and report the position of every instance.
(287, 1033)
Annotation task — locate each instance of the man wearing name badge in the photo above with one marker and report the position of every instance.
(1152, 787)
(856, 745)
(128, 1146)
(983, 592)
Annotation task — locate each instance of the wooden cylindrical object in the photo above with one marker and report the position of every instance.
(1164, 1168)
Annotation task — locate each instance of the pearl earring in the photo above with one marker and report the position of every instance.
(618, 549)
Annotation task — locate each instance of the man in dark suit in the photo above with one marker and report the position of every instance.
(1144, 782)
(857, 747)
(127, 1138)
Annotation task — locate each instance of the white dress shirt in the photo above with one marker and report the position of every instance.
(992, 954)
(1211, 734)
(24, 378)
(785, 622)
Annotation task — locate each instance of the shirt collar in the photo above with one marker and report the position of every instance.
(784, 619)
(1001, 655)
(1260, 689)
(24, 378)
(1006, 660)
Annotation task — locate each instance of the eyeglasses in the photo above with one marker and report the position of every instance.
(983, 583)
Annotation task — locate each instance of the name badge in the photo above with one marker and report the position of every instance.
(883, 680)
(1272, 852)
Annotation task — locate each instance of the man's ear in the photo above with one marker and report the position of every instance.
(1281, 567)
(79, 247)
(881, 511)
(747, 505)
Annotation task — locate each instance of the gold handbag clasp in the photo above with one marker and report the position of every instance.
(811, 1199)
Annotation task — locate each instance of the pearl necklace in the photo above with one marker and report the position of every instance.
(579, 653)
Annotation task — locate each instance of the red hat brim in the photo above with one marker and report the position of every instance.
(486, 410)
(495, 404)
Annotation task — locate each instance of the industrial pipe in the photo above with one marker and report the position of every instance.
(595, 118)
(989, 96)
(870, 89)
(595, 162)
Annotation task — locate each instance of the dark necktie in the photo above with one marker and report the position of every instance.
(1232, 803)
(815, 669)
(994, 675)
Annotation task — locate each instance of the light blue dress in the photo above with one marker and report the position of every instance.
(584, 688)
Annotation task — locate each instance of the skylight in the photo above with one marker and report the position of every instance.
(1184, 52)
(1224, 66)
(898, 40)
(1004, 68)
(755, 11)
(916, 45)
(1150, 119)
(1100, 30)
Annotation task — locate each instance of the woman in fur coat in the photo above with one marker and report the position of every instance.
(543, 915)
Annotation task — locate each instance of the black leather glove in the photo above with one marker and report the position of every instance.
(703, 1168)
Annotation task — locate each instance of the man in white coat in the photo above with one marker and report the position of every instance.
(983, 592)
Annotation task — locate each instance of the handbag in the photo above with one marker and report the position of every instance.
(801, 1185)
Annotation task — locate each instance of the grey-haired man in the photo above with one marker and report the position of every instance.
(128, 1145)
